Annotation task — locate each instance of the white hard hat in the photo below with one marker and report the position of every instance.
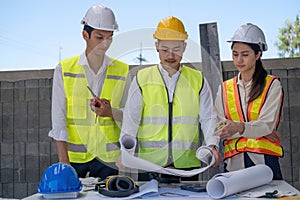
(250, 33)
(100, 17)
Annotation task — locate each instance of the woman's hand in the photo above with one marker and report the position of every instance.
(230, 128)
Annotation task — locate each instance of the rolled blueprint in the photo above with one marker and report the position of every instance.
(225, 184)
(203, 153)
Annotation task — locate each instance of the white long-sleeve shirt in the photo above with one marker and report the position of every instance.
(134, 104)
(95, 81)
(264, 125)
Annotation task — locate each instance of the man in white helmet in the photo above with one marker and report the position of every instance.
(84, 120)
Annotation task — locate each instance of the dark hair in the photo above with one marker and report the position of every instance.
(88, 29)
(258, 78)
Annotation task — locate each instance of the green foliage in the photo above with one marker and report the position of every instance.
(289, 39)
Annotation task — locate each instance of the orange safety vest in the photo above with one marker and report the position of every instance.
(233, 111)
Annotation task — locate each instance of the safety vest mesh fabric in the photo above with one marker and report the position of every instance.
(88, 138)
(233, 111)
(153, 134)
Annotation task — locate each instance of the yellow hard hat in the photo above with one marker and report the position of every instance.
(170, 28)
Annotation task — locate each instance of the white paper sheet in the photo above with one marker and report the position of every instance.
(203, 153)
(225, 184)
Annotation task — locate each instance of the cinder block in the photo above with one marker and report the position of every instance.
(19, 162)
(32, 149)
(7, 91)
(20, 135)
(7, 148)
(19, 91)
(45, 89)
(32, 90)
(281, 73)
(19, 148)
(32, 175)
(7, 161)
(8, 190)
(20, 114)
(19, 175)
(33, 120)
(44, 149)
(33, 134)
(43, 134)
(294, 113)
(32, 188)
(4, 175)
(20, 190)
(7, 129)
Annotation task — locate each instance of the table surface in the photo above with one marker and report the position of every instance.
(274, 185)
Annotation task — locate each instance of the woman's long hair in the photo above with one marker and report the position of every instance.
(258, 79)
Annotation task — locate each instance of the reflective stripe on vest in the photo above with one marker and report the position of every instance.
(153, 134)
(233, 111)
(87, 139)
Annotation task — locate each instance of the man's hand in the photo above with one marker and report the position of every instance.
(217, 155)
(104, 110)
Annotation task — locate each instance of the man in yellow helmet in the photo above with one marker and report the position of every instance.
(165, 105)
(85, 131)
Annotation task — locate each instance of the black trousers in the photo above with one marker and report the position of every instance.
(96, 168)
(271, 161)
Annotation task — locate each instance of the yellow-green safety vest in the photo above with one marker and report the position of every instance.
(169, 130)
(233, 111)
(88, 139)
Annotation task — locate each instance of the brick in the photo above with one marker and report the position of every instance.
(20, 190)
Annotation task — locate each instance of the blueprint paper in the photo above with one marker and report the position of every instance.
(225, 184)
(203, 153)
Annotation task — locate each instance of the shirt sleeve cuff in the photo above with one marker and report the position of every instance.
(59, 134)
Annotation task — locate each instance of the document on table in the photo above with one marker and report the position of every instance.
(203, 153)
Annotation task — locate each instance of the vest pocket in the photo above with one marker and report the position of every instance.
(76, 108)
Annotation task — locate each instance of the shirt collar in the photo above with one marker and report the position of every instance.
(164, 72)
(240, 82)
(83, 62)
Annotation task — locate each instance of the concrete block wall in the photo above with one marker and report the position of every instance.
(25, 149)
(25, 120)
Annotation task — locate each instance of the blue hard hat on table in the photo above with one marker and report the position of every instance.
(59, 178)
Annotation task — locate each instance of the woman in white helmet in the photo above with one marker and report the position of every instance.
(249, 106)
